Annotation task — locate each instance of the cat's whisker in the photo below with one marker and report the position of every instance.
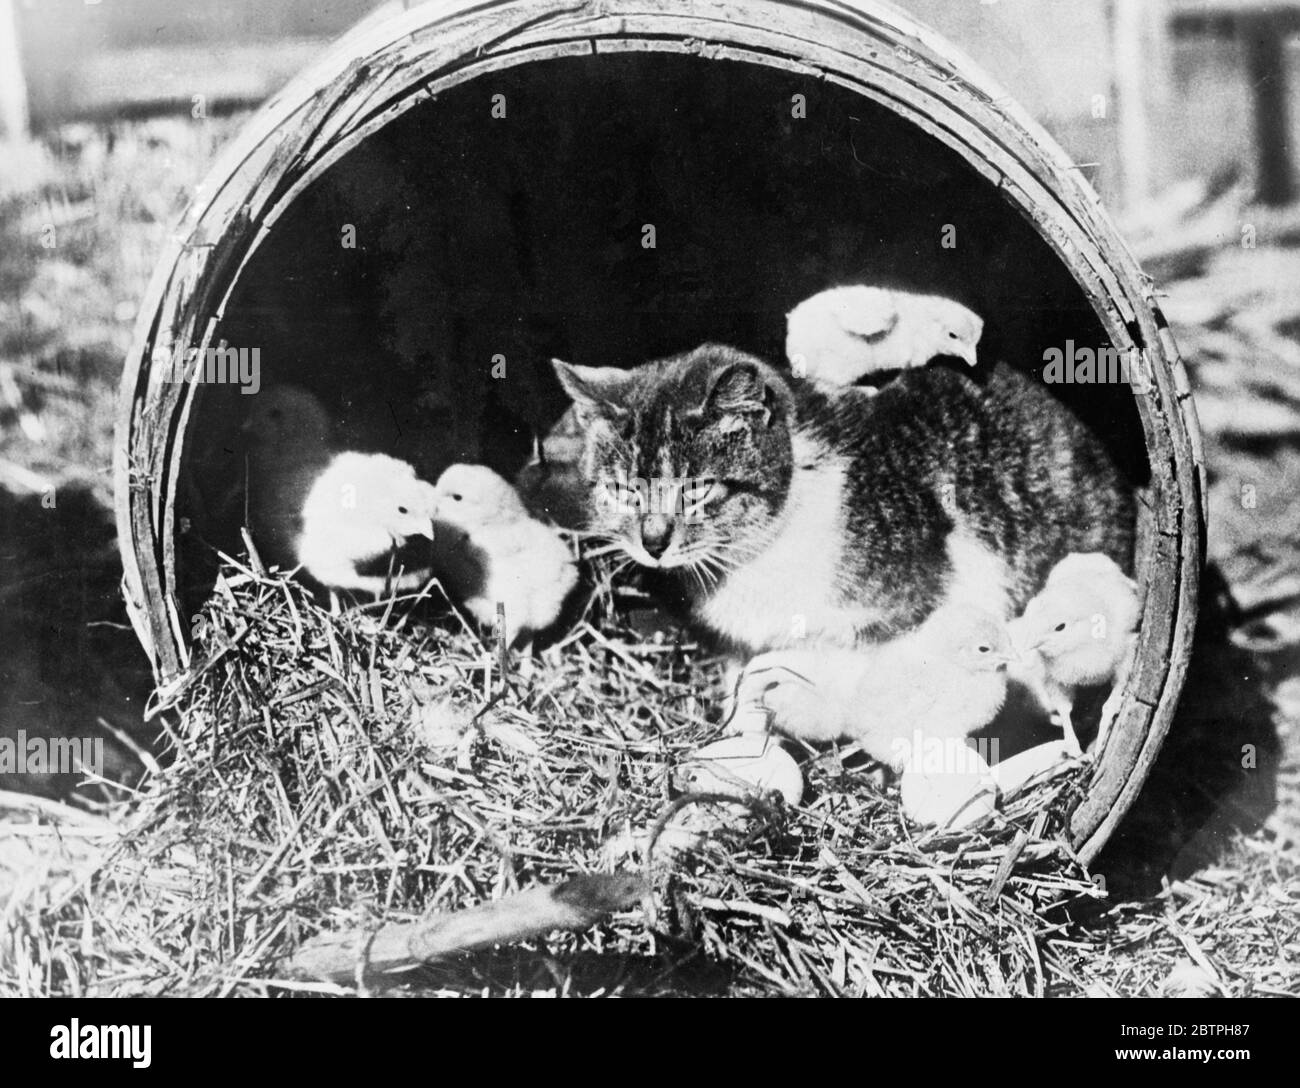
(619, 568)
(708, 567)
(708, 577)
(733, 558)
(696, 559)
(604, 548)
(721, 563)
(711, 566)
(742, 552)
(734, 551)
(693, 570)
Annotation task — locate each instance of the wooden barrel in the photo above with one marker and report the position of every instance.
(922, 94)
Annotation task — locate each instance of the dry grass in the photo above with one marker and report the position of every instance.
(83, 217)
(329, 770)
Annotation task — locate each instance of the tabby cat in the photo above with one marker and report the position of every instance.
(800, 515)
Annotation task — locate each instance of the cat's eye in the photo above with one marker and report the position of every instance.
(703, 489)
(624, 496)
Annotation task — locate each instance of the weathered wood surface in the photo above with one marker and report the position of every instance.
(575, 905)
(382, 70)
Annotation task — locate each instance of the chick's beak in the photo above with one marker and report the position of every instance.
(424, 529)
(1020, 649)
(967, 353)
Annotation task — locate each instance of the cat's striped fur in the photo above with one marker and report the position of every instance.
(837, 517)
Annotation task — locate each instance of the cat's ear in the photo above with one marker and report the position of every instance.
(746, 391)
(595, 390)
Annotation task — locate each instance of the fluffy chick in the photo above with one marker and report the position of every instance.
(846, 333)
(1077, 633)
(342, 516)
(363, 521)
(519, 562)
(289, 442)
(945, 680)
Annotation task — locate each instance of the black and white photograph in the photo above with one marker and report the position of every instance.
(650, 499)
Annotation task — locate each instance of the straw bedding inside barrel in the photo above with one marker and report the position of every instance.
(329, 772)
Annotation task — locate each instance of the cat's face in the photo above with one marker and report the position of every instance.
(689, 459)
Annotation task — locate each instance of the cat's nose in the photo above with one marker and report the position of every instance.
(656, 532)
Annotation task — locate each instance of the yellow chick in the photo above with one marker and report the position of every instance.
(513, 559)
(1077, 633)
(943, 681)
(846, 333)
(363, 522)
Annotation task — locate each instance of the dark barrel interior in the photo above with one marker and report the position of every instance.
(482, 238)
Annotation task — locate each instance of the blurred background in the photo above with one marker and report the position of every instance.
(1148, 93)
(1184, 114)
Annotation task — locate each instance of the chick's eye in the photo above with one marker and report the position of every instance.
(457, 498)
(1059, 627)
(402, 510)
(984, 649)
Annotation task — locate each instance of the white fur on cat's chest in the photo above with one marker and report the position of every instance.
(790, 595)
(977, 576)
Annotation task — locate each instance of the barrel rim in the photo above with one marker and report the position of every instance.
(873, 48)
